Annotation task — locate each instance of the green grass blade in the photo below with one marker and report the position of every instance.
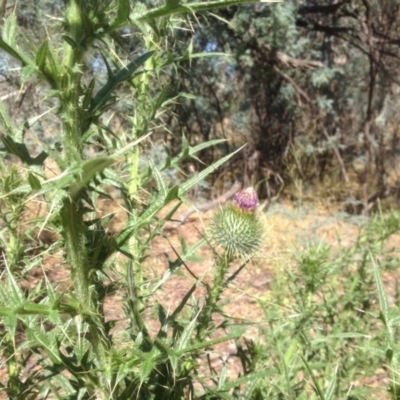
(381, 290)
(317, 388)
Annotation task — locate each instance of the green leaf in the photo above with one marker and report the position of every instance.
(46, 340)
(7, 41)
(330, 390)
(172, 195)
(41, 56)
(70, 41)
(161, 199)
(10, 322)
(5, 122)
(34, 182)
(20, 150)
(245, 380)
(14, 53)
(20, 190)
(88, 171)
(222, 377)
(187, 254)
(34, 309)
(184, 8)
(201, 175)
(161, 184)
(317, 387)
(52, 70)
(147, 365)
(188, 151)
(122, 13)
(187, 333)
(88, 95)
(381, 291)
(105, 93)
(8, 33)
(209, 343)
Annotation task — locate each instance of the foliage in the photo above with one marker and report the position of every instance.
(82, 68)
(325, 334)
(312, 87)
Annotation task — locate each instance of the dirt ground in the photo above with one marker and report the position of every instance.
(287, 229)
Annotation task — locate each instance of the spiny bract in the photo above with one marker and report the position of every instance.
(235, 227)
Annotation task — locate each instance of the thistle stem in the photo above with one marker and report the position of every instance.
(213, 296)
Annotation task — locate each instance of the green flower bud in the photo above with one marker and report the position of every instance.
(236, 227)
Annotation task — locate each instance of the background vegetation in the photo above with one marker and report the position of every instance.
(311, 86)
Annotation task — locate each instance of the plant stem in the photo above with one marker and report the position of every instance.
(213, 296)
(72, 213)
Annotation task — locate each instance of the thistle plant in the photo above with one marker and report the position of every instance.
(237, 231)
(88, 72)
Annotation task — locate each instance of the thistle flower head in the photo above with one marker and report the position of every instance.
(236, 227)
(246, 199)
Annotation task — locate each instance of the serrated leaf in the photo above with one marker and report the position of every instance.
(14, 294)
(147, 365)
(207, 171)
(62, 181)
(176, 264)
(187, 333)
(65, 385)
(20, 190)
(88, 171)
(20, 150)
(105, 93)
(161, 185)
(122, 13)
(209, 343)
(46, 341)
(188, 151)
(246, 379)
(10, 322)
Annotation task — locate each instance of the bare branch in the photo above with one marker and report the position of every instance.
(322, 9)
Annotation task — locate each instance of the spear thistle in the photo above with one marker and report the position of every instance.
(236, 228)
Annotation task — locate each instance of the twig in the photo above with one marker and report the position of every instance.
(338, 156)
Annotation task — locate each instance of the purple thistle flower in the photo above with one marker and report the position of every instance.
(246, 199)
(236, 228)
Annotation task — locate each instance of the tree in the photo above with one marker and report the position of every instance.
(311, 86)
